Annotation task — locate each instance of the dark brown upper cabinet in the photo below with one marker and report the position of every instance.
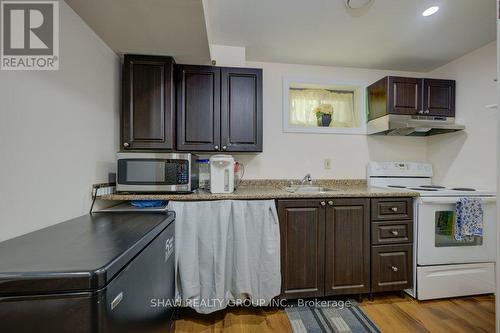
(148, 103)
(219, 109)
(439, 97)
(347, 230)
(405, 95)
(198, 107)
(411, 96)
(241, 109)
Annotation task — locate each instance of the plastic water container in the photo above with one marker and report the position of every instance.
(204, 176)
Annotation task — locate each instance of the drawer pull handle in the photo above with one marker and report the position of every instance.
(394, 268)
(394, 209)
(395, 232)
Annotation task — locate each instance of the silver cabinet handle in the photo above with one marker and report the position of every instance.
(395, 232)
(421, 112)
(330, 203)
(394, 209)
(394, 268)
(216, 147)
(224, 147)
(126, 144)
(322, 203)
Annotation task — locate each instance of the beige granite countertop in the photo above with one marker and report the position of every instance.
(273, 189)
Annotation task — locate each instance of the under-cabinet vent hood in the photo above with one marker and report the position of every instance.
(407, 125)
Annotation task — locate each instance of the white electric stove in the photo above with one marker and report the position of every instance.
(443, 266)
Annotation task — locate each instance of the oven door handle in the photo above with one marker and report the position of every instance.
(439, 200)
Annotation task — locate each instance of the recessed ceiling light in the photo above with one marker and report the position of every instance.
(430, 11)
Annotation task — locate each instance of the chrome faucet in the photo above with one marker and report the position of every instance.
(307, 178)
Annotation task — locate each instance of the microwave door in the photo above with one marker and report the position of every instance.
(141, 172)
(153, 175)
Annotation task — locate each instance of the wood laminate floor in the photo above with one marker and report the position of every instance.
(390, 313)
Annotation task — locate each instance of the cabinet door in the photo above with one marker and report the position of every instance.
(439, 97)
(302, 229)
(148, 103)
(198, 108)
(392, 267)
(347, 254)
(405, 95)
(241, 109)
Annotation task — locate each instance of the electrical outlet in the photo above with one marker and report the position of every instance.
(327, 164)
(103, 189)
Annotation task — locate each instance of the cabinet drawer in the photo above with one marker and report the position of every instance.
(392, 267)
(392, 208)
(392, 232)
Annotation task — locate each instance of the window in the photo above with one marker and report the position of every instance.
(323, 107)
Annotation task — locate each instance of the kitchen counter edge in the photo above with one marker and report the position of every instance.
(263, 193)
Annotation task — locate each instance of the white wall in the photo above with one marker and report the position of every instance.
(292, 155)
(58, 131)
(468, 158)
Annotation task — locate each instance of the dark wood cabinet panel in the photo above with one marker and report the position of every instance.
(392, 232)
(241, 109)
(347, 254)
(439, 97)
(377, 99)
(302, 228)
(392, 209)
(332, 247)
(392, 267)
(411, 96)
(148, 103)
(405, 95)
(198, 107)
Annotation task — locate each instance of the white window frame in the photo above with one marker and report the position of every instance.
(359, 105)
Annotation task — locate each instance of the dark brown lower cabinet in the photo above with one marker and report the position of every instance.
(347, 255)
(392, 267)
(302, 228)
(325, 247)
(332, 247)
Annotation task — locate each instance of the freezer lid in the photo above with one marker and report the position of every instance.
(82, 254)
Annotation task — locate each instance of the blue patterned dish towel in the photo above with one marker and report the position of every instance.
(469, 222)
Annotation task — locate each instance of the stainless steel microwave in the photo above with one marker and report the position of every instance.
(156, 172)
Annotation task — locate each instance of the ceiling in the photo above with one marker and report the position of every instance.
(162, 27)
(392, 34)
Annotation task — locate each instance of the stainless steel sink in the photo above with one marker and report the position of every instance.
(308, 189)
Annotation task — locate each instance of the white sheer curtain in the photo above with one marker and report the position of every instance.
(303, 102)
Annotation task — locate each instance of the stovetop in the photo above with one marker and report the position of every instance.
(441, 191)
(414, 176)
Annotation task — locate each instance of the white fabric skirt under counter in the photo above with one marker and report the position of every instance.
(226, 251)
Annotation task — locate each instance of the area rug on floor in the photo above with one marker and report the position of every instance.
(332, 320)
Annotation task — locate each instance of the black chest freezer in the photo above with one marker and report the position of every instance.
(96, 273)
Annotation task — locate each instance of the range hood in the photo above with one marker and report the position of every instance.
(407, 125)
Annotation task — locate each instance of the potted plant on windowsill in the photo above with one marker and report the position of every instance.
(324, 114)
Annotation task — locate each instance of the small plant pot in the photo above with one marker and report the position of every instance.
(325, 120)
